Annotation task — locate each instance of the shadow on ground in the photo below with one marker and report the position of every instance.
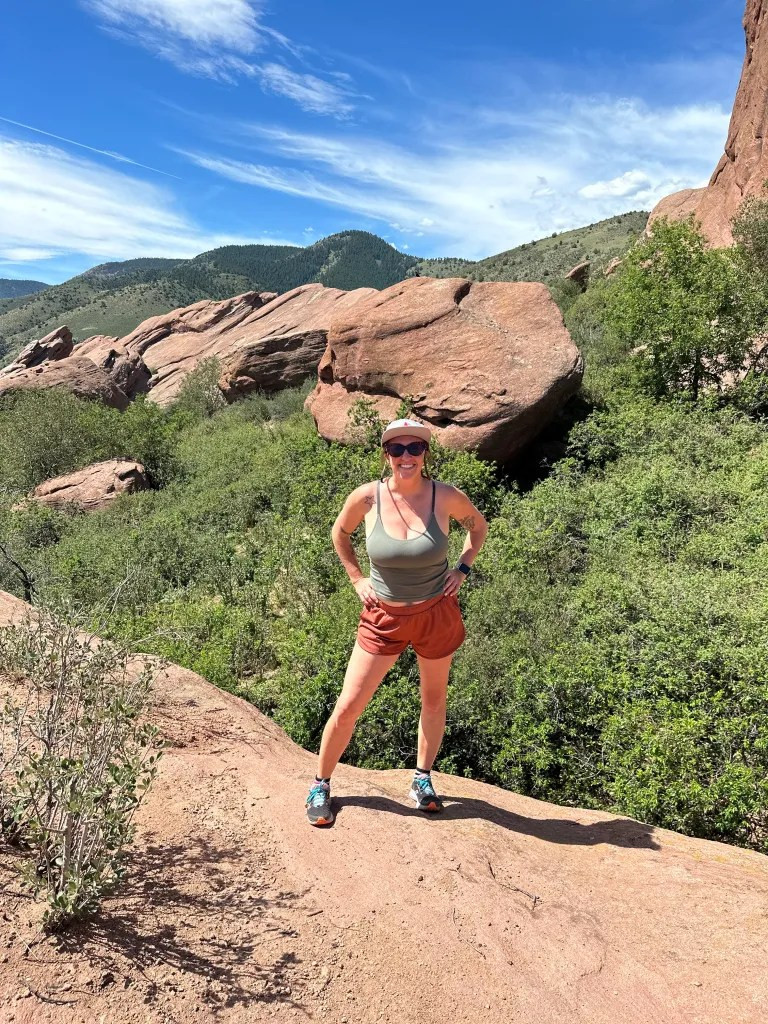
(179, 910)
(623, 832)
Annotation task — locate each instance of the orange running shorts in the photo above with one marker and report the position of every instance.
(434, 628)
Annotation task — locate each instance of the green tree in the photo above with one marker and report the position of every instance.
(688, 311)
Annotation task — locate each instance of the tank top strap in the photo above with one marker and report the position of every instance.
(378, 500)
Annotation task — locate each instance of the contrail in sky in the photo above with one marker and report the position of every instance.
(103, 152)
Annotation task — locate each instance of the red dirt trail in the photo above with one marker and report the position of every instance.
(502, 909)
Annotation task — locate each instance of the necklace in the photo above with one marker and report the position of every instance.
(397, 507)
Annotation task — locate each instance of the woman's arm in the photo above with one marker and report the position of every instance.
(355, 509)
(474, 522)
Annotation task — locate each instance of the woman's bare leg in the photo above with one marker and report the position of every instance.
(434, 689)
(364, 673)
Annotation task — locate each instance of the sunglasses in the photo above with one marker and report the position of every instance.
(397, 449)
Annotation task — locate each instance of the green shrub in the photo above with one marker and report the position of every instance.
(686, 307)
(78, 760)
(45, 434)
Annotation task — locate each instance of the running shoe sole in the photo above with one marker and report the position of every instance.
(432, 807)
(322, 821)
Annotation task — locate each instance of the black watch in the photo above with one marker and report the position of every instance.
(463, 567)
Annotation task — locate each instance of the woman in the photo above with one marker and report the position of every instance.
(409, 598)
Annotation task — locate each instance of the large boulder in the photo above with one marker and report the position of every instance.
(743, 166)
(92, 488)
(486, 364)
(56, 345)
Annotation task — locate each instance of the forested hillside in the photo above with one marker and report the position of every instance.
(547, 258)
(12, 289)
(113, 298)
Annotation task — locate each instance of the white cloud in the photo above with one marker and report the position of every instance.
(52, 203)
(482, 190)
(24, 254)
(310, 92)
(208, 24)
(628, 184)
(92, 149)
(217, 39)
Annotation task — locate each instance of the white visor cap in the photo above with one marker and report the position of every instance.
(413, 427)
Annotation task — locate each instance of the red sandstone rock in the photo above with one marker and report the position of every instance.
(613, 266)
(56, 345)
(126, 369)
(76, 374)
(487, 364)
(743, 166)
(94, 487)
(579, 275)
(263, 340)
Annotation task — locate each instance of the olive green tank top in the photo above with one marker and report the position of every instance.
(407, 570)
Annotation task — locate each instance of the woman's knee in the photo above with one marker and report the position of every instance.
(347, 712)
(433, 701)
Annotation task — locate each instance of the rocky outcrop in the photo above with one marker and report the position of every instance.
(613, 266)
(262, 340)
(52, 363)
(486, 364)
(56, 345)
(127, 369)
(92, 488)
(743, 166)
(579, 275)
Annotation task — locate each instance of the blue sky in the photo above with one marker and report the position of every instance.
(174, 126)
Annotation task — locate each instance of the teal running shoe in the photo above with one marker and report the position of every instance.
(319, 804)
(423, 792)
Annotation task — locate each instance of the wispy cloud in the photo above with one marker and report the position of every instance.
(53, 203)
(310, 92)
(91, 149)
(209, 24)
(218, 39)
(507, 179)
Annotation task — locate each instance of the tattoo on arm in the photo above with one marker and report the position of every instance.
(370, 501)
(468, 523)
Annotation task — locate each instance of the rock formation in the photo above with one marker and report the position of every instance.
(613, 266)
(537, 914)
(263, 340)
(52, 363)
(487, 364)
(743, 166)
(92, 488)
(579, 275)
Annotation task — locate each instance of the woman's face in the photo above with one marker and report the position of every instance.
(405, 466)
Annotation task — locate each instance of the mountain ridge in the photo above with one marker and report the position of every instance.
(113, 298)
(11, 288)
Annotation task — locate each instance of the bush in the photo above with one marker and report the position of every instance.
(45, 434)
(687, 308)
(78, 760)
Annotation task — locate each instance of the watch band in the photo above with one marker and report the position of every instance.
(463, 567)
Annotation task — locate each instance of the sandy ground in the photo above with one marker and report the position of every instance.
(500, 909)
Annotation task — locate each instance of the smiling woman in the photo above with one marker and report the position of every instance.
(408, 600)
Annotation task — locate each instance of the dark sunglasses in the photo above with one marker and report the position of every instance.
(397, 449)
